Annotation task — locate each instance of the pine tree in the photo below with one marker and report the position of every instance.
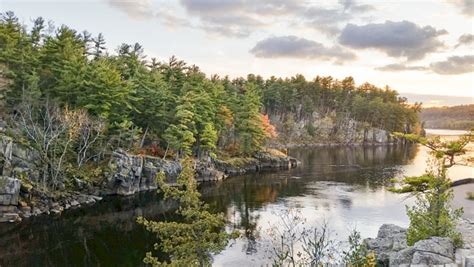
(197, 235)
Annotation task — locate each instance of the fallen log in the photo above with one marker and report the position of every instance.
(462, 182)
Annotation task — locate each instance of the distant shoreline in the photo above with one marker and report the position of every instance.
(445, 132)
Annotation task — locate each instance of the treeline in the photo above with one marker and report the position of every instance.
(74, 101)
(375, 107)
(456, 117)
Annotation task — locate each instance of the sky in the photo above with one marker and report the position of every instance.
(419, 48)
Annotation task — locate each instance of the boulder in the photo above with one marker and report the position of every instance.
(433, 251)
(391, 249)
(390, 239)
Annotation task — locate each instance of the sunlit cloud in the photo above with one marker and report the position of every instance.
(135, 9)
(401, 67)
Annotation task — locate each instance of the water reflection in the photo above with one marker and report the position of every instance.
(344, 186)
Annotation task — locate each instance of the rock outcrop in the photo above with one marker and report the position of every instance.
(392, 250)
(9, 196)
(127, 174)
(134, 173)
(390, 240)
(296, 129)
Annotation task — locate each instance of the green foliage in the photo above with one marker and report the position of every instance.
(311, 129)
(445, 151)
(209, 139)
(199, 234)
(357, 254)
(432, 214)
(250, 131)
(378, 107)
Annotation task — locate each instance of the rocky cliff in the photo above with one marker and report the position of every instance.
(296, 130)
(134, 173)
(126, 174)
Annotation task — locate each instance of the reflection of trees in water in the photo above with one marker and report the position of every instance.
(106, 233)
(374, 165)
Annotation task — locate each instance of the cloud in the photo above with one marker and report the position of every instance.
(466, 6)
(454, 65)
(353, 6)
(401, 67)
(239, 18)
(329, 20)
(135, 9)
(465, 39)
(396, 39)
(225, 17)
(295, 47)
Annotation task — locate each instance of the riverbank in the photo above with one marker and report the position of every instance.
(344, 186)
(127, 174)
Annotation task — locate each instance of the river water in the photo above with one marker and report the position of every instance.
(342, 186)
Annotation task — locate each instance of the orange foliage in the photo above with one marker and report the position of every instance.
(268, 128)
(155, 150)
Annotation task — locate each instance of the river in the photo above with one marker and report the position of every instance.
(343, 186)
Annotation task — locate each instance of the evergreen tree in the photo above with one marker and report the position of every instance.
(198, 234)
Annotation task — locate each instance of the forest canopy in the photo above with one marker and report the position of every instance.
(171, 106)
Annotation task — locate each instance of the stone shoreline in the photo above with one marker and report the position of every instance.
(128, 175)
(391, 248)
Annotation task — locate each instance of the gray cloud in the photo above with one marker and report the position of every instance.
(353, 6)
(401, 67)
(223, 17)
(396, 39)
(465, 6)
(240, 18)
(136, 9)
(329, 20)
(454, 65)
(451, 66)
(465, 39)
(295, 47)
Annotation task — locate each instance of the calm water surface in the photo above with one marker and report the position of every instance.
(344, 187)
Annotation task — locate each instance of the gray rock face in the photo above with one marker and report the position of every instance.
(9, 194)
(433, 251)
(390, 239)
(402, 257)
(326, 129)
(17, 160)
(391, 249)
(9, 191)
(133, 173)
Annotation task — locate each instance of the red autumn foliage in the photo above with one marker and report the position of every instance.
(268, 128)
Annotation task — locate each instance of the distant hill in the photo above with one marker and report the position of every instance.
(438, 100)
(455, 117)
